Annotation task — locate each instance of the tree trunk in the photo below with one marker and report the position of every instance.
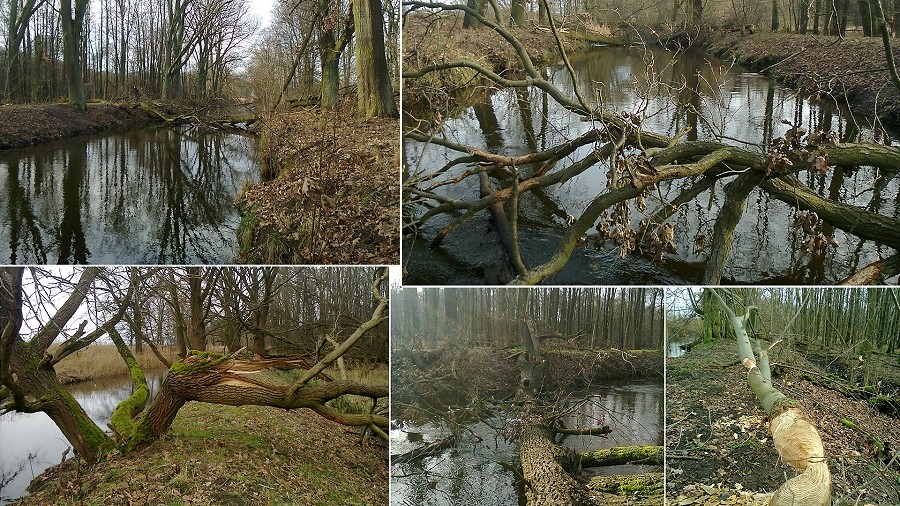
(517, 13)
(71, 27)
(469, 20)
(218, 379)
(866, 18)
(803, 25)
(796, 439)
(375, 98)
(621, 455)
(546, 467)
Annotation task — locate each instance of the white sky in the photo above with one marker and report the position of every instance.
(262, 9)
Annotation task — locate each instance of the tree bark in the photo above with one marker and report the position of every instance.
(796, 438)
(375, 98)
(546, 467)
(71, 27)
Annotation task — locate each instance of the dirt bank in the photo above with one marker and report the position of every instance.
(29, 124)
(223, 455)
(335, 195)
(851, 72)
(718, 445)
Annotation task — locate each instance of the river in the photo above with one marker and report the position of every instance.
(31, 442)
(470, 473)
(151, 195)
(714, 99)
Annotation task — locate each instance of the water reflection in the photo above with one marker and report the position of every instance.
(152, 195)
(470, 473)
(34, 434)
(692, 93)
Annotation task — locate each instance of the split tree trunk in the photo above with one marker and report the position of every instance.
(796, 438)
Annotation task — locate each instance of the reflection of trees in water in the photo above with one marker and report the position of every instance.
(152, 195)
(688, 90)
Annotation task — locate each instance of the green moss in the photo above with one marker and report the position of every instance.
(206, 359)
(848, 423)
(121, 418)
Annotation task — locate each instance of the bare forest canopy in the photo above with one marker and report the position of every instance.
(252, 320)
(198, 50)
(586, 318)
(652, 175)
(846, 321)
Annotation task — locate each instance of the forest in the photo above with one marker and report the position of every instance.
(791, 393)
(650, 142)
(521, 395)
(199, 358)
(297, 83)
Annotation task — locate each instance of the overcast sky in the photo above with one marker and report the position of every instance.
(262, 9)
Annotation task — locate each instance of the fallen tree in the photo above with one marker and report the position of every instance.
(29, 382)
(795, 437)
(639, 161)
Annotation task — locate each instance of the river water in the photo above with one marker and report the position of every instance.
(715, 100)
(31, 442)
(469, 473)
(152, 195)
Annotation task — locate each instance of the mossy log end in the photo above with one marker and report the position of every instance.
(620, 455)
(546, 467)
(642, 485)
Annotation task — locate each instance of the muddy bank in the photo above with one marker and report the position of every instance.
(718, 445)
(850, 72)
(333, 196)
(285, 457)
(29, 124)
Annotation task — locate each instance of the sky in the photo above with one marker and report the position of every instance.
(262, 9)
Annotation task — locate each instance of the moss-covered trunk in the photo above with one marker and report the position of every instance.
(38, 381)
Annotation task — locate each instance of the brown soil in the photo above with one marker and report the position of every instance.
(335, 197)
(850, 71)
(718, 445)
(28, 124)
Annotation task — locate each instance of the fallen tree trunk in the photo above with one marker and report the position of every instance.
(501, 222)
(620, 455)
(428, 450)
(219, 379)
(851, 219)
(796, 438)
(546, 467)
(639, 484)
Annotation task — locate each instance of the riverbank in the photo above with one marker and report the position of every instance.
(102, 361)
(334, 194)
(718, 445)
(850, 72)
(29, 124)
(430, 40)
(224, 455)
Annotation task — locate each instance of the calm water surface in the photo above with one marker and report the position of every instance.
(714, 100)
(469, 473)
(31, 442)
(152, 195)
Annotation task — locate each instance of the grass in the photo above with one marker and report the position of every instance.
(246, 455)
(99, 361)
(229, 455)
